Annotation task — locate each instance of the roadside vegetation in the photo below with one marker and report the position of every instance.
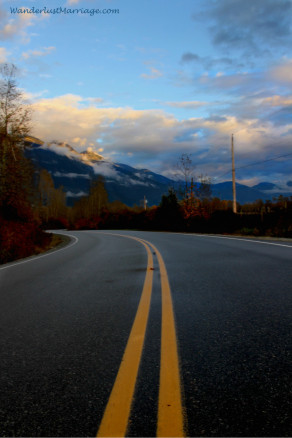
(272, 218)
(30, 203)
(21, 233)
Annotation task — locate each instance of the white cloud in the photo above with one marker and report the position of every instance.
(250, 181)
(75, 195)
(71, 175)
(60, 149)
(107, 170)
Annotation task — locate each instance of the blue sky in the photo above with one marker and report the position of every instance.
(160, 78)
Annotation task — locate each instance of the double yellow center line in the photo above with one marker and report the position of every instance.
(170, 412)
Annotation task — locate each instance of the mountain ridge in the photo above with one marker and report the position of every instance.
(76, 170)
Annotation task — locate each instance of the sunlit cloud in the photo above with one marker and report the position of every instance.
(186, 105)
(275, 101)
(154, 74)
(282, 72)
(157, 138)
(38, 53)
(18, 26)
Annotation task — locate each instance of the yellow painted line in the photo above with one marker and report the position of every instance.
(170, 412)
(116, 416)
(170, 421)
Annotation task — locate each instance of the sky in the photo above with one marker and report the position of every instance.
(143, 82)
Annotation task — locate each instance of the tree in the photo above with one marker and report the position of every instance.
(51, 201)
(98, 197)
(16, 174)
(15, 116)
(89, 209)
(186, 169)
(195, 195)
(203, 188)
(168, 214)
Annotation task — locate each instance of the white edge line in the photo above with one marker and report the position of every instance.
(236, 238)
(218, 237)
(36, 257)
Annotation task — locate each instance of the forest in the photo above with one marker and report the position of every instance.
(31, 204)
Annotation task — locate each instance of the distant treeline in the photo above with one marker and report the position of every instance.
(192, 213)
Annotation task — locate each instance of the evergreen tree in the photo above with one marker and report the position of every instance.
(169, 214)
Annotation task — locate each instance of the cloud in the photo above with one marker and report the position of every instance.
(190, 57)
(255, 26)
(208, 62)
(186, 105)
(61, 149)
(34, 96)
(3, 55)
(76, 195)
(282, 117)
(94, 100)
(38, 53)
(282, 72)
(71, 175)
(275, 100)
(76, 2)
(12, 27)
(157, 138)
(154, 74)
(236, 84)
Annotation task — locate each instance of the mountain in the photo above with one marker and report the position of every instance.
(244, 194)
(74, 171)
(265, 186)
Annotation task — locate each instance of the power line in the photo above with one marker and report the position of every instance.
(253, 164)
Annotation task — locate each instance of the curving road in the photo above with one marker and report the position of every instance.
(147, 334)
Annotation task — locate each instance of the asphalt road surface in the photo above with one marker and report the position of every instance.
(154, 334)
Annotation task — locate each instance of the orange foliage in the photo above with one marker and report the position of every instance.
(20, 239)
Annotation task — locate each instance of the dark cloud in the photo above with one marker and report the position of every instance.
(216, 118)
(282, 117)
(189, 57)
(208, 62)
(188, 135)
(240, 84)
(253, 25)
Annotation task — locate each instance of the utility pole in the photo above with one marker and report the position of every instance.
(233, 176)
(145, 203)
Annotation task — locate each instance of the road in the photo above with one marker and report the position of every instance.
(147, 334)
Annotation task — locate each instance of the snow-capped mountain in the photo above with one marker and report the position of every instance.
(76, 170)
